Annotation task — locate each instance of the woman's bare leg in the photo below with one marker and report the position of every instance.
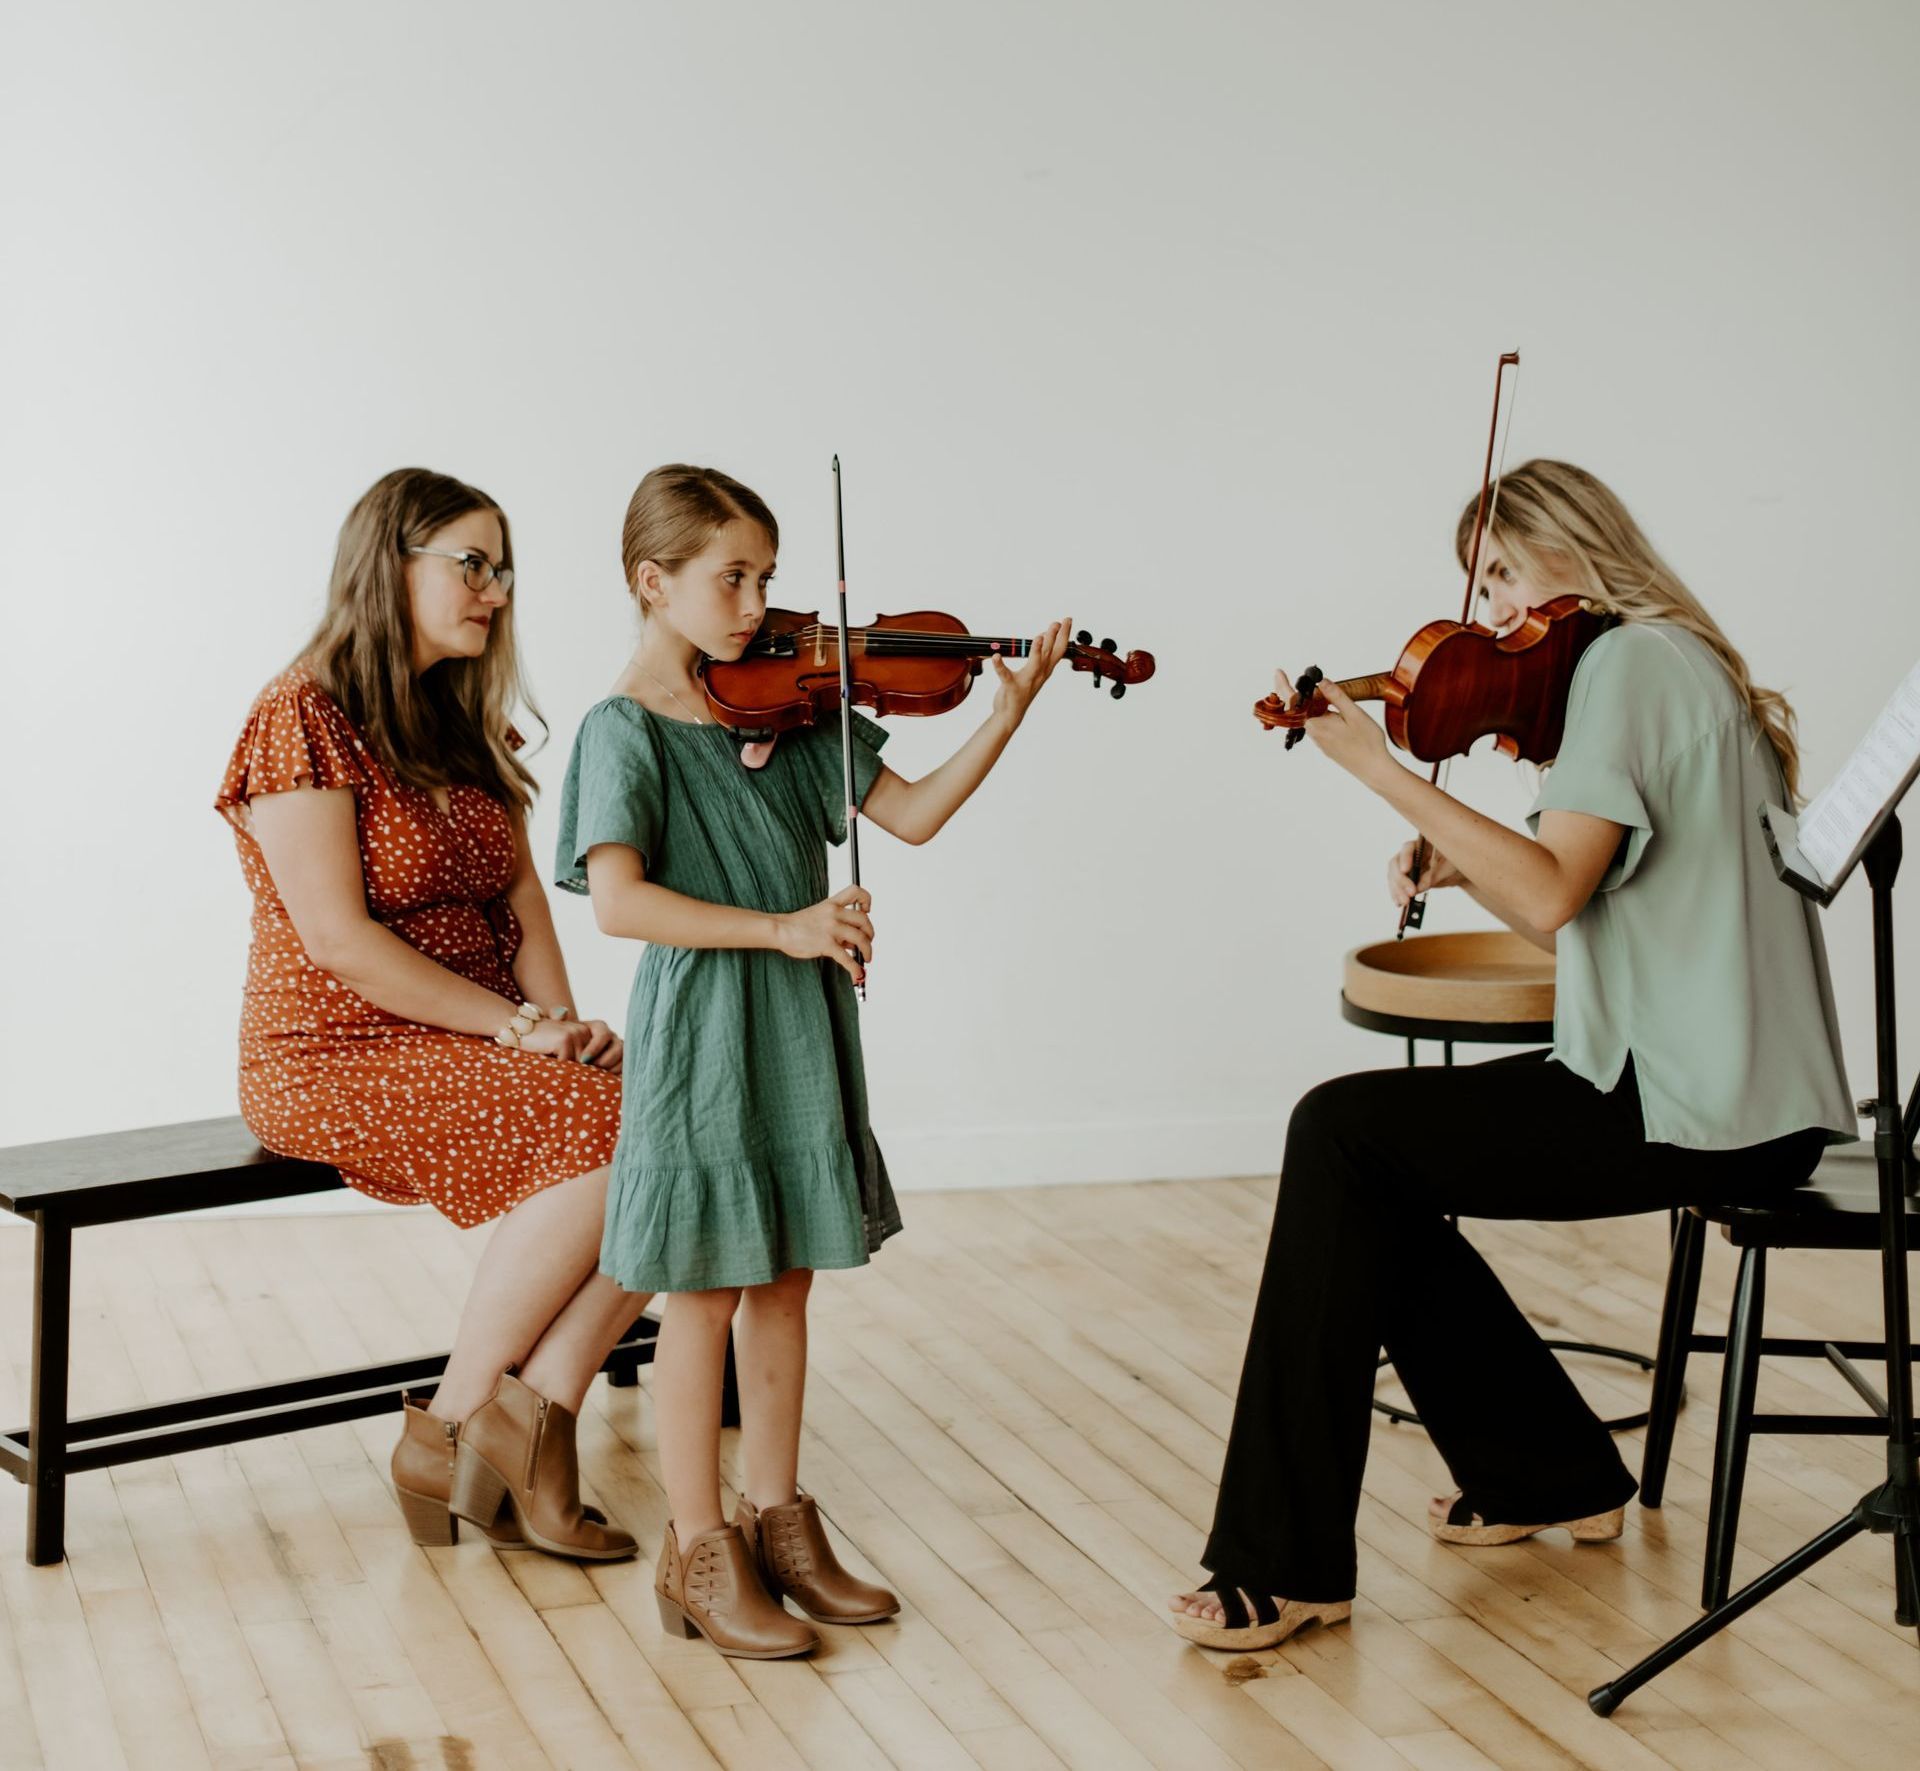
(576, 1343)
(539, 1255)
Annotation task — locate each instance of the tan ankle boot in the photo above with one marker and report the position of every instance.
(517, 1454)
(796, 1562)
(715, 1592)
(423, 1476)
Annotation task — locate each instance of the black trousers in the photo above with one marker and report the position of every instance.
(1361, 1257)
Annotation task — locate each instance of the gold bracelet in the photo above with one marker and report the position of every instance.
(525, 1017)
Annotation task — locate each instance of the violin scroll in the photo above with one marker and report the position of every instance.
(1106, 664)
(1291, 716)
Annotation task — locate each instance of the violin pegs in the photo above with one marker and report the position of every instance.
(1108, 646)
(1083, 638)
(1119, 689)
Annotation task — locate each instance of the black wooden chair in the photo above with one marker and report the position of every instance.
(1837, 1208)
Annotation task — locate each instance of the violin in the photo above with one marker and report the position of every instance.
(1470, 680)
(923, 663)
(1455, 683)
(799, 671)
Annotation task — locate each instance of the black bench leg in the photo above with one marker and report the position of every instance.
(47, 1402)
(1670, 1360)
(1737, 1383)
(730, 1391)
(622, 1369)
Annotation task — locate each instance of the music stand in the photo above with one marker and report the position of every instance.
(1894, 1507)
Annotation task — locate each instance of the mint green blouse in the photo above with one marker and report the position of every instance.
(1692, 957)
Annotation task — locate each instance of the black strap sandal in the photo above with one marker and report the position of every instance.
(1255, 1620)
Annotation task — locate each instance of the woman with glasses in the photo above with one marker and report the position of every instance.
(407, 1017)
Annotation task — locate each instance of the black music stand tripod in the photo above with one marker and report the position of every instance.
(1892, 1509)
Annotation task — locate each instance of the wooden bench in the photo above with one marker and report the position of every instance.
(142, 1174)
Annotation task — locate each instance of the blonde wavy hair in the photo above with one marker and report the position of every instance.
(449, 724)
(1564, 527)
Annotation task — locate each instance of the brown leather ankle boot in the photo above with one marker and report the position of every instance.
(795, 1561)
(715, 1592)
(423, 1476)
(517, 1453)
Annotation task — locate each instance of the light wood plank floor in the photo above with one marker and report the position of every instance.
(1016, 1417)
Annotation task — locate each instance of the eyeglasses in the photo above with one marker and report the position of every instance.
(480, 571)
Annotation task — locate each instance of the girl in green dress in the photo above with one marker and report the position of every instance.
(745, 1159)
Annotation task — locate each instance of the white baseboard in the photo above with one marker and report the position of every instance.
(1066, 1155)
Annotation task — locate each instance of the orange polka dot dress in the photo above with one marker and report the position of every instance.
(407, 1113)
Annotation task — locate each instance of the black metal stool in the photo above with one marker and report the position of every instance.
(1412, 1028)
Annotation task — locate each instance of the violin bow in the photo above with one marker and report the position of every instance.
(846, 698)
(1413, 912)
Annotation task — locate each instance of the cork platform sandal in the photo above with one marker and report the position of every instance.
(1256, 1620)
(1460, 1524)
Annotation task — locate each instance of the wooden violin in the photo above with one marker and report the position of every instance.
(1470, 680)
(1457, 682)
(922, 663)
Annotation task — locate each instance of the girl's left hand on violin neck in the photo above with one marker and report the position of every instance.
(1345, 734)
(1017, 688)
(916, 811)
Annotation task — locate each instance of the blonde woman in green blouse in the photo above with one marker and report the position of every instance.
(1696, 1059)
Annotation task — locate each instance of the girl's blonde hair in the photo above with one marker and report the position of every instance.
(448, 724)
(1561, 525)
(676, 510)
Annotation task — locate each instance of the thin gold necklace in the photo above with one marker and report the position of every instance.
(658, 684)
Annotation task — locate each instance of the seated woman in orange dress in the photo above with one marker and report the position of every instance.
(407, 1015)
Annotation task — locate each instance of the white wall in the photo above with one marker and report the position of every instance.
(1179, 318)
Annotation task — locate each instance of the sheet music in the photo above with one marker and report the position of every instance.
(1836, 824)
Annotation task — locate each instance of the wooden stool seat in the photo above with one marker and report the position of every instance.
(1478, 976)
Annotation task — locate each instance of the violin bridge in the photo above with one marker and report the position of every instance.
(819, 647)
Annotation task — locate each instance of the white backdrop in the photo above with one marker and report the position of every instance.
(1179, 318)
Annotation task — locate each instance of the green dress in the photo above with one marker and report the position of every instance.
(744, 1145)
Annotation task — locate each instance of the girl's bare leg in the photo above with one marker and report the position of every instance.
(770, 1358)
(689, 1366)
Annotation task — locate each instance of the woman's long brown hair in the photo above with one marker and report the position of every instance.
(449, 724)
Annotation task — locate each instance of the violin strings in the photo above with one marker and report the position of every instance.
(923, 641)
(928, 635)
